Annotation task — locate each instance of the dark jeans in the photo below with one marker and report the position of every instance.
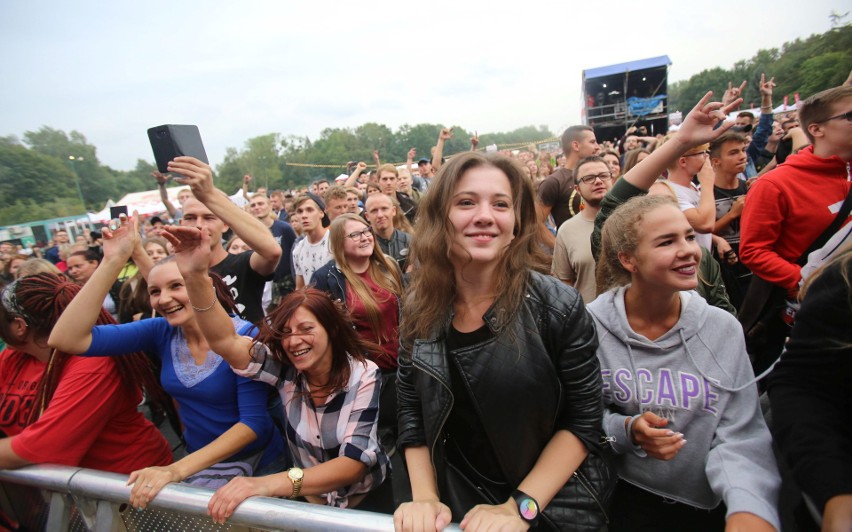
(636, 510)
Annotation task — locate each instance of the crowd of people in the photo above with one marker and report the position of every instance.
(516, 340)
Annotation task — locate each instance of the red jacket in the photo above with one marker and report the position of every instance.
(785, 212)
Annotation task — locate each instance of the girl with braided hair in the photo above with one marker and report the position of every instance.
(66, 409)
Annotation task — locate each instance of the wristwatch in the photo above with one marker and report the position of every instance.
(296, 474)
(527, 507)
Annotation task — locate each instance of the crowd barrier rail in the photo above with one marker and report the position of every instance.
(61, 498)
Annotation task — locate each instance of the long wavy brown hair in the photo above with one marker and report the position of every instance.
(432, 289)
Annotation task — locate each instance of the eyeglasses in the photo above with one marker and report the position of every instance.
(358, 235)
(705, 152)
(847, 115)
(589, 179)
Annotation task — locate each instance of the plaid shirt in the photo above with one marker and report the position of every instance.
(346, 425)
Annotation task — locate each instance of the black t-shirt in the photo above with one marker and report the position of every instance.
(464, 427)
(725, 198)
(285, 236)
(246, 285)
(555, 192)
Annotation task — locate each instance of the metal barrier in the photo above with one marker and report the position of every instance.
(60, 498)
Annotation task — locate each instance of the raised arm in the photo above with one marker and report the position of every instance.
(703, 218)
(164, 195)
(409, 160)
(764, 125)
(246, 181)
(353, 179)
(199, 177)
(445, 135)
(73, 331)
(192, 252)
(697, 128)
(704, 123)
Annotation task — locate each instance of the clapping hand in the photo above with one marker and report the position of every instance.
(192, 248)
(120, 237)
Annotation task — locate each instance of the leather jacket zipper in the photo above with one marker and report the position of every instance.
(446, 415)
(587, 485)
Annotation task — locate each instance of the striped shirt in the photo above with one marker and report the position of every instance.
(346, 425)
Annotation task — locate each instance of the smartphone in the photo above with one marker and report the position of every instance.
(116, 210)
(171, 140)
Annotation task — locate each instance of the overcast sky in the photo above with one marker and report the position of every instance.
(239, 69)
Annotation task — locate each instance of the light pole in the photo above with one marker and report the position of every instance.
(73, 159)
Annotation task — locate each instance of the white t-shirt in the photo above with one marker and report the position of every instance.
(308, 258)
(689, 198)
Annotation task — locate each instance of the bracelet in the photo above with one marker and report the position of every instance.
(630, 430)
(205, 309)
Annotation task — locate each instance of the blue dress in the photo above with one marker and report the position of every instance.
(210, 397)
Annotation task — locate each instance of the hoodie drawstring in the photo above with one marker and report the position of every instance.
(719, 384)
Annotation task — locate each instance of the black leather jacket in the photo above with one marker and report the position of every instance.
(330, 279)
(540, 374)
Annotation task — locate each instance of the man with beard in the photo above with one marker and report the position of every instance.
(573, 262)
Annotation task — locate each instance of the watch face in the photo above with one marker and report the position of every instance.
(295, 473)
(528, 509)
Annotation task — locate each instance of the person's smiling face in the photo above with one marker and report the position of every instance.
(482, 216)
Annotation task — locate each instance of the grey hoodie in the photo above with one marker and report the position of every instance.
(698, 376)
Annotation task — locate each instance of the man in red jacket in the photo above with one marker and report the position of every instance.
(787, 209)
(790, 207)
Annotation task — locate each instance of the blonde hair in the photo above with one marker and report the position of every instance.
(432, 288)
(621, 234)
(37, 266)
(383, 271)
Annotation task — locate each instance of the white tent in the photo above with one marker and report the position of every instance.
(756, 111)
(147, 203)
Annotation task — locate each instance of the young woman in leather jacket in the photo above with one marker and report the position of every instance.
(498, 387)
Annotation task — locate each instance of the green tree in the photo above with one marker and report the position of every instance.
(96, 182)
(821, 71)
(801, 66)
(27, 210)
(136, 180)
(34, 186)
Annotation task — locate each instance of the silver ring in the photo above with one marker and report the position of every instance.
(114, 225)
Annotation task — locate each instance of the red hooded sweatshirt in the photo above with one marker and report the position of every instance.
(785, 212)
